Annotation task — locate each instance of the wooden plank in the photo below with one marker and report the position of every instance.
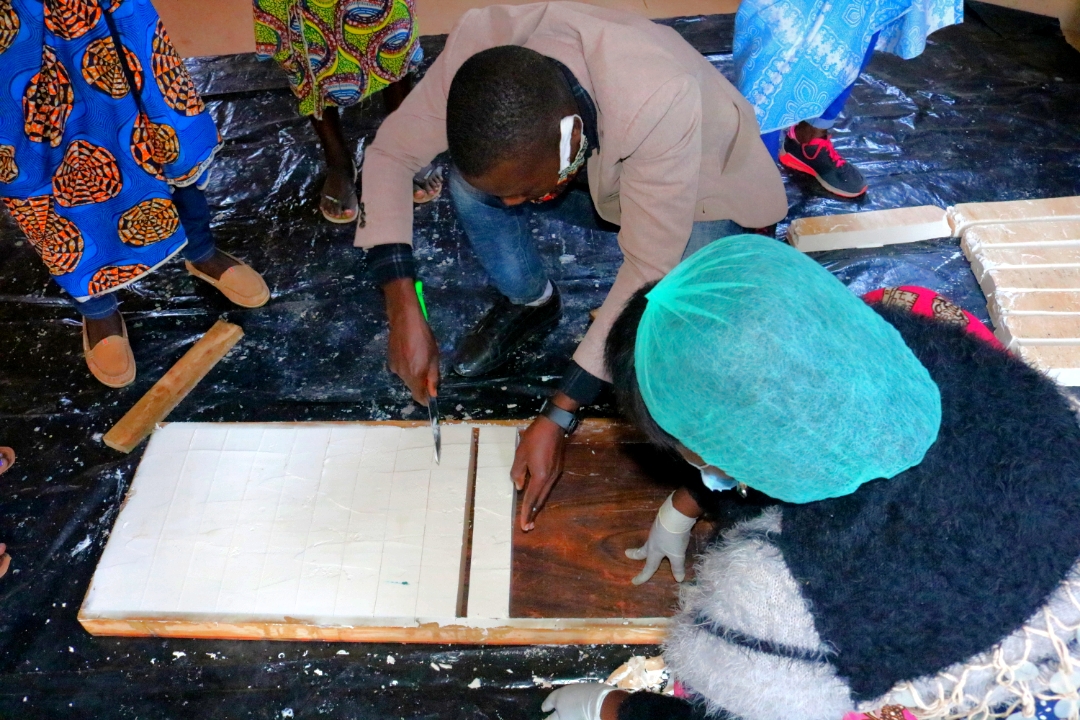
(644, 631)
(467, 530)
(869, 229)
(573, 563)
(967, 215)
(173, 387)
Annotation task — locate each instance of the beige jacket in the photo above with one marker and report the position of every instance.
(678, 143)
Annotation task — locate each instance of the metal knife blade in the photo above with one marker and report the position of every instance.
(436, 432)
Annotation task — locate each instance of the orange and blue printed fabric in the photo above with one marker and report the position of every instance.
(86, 163)
(338, 52)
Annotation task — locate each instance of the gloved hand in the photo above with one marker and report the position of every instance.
(669, 537)
(576, 702)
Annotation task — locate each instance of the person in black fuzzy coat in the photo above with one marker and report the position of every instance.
(951, 588)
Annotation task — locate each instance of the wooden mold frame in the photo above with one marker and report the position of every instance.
(460, 629)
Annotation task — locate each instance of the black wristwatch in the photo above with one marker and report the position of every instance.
(565, 419)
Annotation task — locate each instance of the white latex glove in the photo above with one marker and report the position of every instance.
(576, 702)
(669, 537)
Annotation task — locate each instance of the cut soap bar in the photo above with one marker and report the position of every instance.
(1020, 302)
(869, 229)
(1039, 330)
(964, 216)
(1061, 362)
(1031, 256)
(1067, 278)
(1022, 233)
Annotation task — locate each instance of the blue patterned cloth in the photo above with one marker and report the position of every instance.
(86, 164)
(794, 57)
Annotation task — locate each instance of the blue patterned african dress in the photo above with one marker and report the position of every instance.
(85, 163)
(338, 52)
(794, 57)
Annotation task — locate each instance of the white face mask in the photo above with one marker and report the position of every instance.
(713, 478)
(568, 167)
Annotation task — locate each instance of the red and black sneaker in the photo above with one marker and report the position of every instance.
(820, 159)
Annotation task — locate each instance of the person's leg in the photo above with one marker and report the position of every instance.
(105, 344)
(827, 119)
(395, 93)
(530, 304)
(807, 147)
(501, 240)
(339, 203)
(575, 207)
(710, 230)
(101, 317)
(194, 214)
(241, 285)
(772, 142)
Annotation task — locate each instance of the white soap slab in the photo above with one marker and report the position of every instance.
(325, 524)
(984, 258)
(493, 524)
(1039, 330)
(1060, 362)
(964, 216)
(869, 229)
(1030, 279)
(1021, 302)
(1019, 234)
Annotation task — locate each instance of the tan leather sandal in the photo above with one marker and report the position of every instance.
(7, 458)
(240, 283)
(111, 360)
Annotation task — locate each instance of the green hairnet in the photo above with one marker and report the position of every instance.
(756, 358)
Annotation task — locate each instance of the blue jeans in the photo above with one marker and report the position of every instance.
(194, 215)
(827, 119)
(501, 239)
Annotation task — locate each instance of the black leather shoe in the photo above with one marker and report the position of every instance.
(505, 328)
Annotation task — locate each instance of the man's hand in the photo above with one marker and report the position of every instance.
(413, 352)
(538, 461)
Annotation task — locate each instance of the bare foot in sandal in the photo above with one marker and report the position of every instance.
(427, 184)
(339, 203)
(7, 459)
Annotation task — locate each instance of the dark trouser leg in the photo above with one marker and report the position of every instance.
(194, 214)
(332, 139)
(395, 93)
(501, 241)
(339, 193)
(98, 307)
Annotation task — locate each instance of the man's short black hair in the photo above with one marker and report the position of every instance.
(619, 357)
(503, 102)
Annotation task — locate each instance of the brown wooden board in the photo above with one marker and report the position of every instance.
(572, 564)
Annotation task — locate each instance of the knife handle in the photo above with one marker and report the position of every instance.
(420, 296)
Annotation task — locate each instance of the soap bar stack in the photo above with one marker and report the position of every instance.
(1026, 257)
